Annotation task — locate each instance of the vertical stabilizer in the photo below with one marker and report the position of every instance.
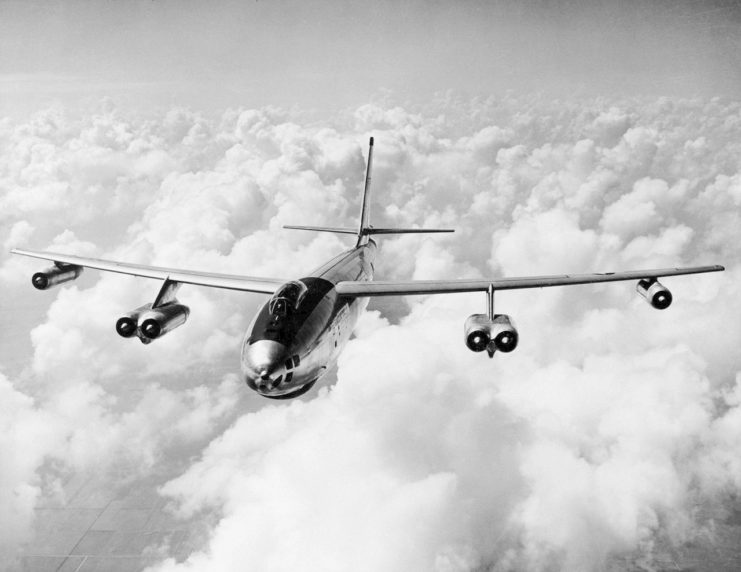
(365, 230)
(365, 209)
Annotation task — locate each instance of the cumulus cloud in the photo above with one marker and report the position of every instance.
(595, 439)
(81, 427)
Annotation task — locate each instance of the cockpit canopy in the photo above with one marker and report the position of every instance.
(287, 298)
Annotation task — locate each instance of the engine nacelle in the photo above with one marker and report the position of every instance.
(477, 332)
(655, 293)
(155, 323)
(504, 334)
(481, 333)
(54, 275)
(127, 325)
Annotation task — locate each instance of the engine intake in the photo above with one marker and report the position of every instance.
(149, 324)
(156, 322)
(54, 275)
(478, 332)
(127, 325)
(504, 334)
(655, 293)
(482, 333)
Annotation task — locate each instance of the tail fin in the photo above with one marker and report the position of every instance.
(365, 208)
(365, 229)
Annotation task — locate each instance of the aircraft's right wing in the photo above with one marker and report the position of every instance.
(227, 281)
(417, 287)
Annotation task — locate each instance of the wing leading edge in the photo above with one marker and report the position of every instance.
(226, 281)
(360, 288)
(420, 287)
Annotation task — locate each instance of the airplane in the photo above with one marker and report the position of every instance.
(298, 334)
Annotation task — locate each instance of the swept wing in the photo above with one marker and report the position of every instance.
(414, 287)
(226, 281)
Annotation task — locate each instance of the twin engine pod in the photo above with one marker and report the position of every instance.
(149, 323)
(655, 293)
(55, 275)
(497, 334)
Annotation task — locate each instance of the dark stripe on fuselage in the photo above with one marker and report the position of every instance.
(315, 331)
(285, 329)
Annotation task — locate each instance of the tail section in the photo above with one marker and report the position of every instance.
(336, 230)
(365, 229)
(365, 208)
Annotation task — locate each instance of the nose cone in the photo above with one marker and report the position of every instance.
(262, 364)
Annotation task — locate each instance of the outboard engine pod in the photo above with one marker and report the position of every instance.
(57, 274)
(655, 293)
(158, 321)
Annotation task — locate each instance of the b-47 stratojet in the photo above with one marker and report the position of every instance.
(300, 331)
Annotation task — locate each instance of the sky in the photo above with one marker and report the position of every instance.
(326, 56)
(555, 137)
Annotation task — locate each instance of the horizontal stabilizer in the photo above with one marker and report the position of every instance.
(323, 229)
(372, 230)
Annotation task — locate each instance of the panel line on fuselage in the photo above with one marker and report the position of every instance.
(316, 330)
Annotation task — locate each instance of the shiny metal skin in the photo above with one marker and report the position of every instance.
(157, 322)
(263, 366)
(148, 323)
(504, 336)
(477, 332)
(491, 334)
(128, 324)
(55, 275)
(655, 293)
(284, 353)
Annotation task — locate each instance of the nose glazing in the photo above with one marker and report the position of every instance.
(265, 383)
(262, 363)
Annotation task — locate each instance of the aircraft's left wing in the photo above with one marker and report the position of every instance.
(415, 287)
(227, 281)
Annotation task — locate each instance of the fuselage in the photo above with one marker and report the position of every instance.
(299, 333)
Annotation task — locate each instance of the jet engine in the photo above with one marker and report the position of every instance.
(655, 293)
(149, 323)
(483, 333)
(156, 322)
(54, 275)
(126, 325)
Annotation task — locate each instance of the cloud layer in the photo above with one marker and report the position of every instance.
(598, 438)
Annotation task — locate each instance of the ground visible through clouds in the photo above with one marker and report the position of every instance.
(608, 441)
